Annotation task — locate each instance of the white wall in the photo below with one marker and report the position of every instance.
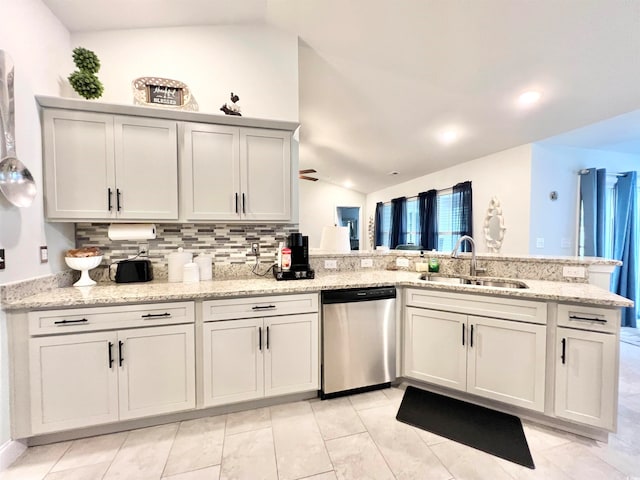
(40, 48)
(318, 202)
(556, 168)
(505, 175)
(258, 63)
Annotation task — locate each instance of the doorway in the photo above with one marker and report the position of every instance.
(350, 217)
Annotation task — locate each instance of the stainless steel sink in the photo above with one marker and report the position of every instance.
(479, 281)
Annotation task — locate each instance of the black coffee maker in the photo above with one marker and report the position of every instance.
(300, 268)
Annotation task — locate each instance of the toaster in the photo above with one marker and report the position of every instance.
(128, 271)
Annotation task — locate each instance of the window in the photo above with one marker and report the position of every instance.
(386, 224)
(413, 222)
(447, 238)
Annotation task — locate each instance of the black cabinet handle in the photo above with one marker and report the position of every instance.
(587, 319)
(267, 338)
(109, 194)
(70, 322)
(263, 307)
(463, 334)
(118, 206)
(236, 202)
(471, 337)
(156, 315)
(563, 355)
(120, 357)
(244, 210)
(260, 337)
(110, 355)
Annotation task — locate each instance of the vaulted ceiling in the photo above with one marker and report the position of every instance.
(381, 80)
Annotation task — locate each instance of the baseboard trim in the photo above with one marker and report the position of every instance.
(9, 452)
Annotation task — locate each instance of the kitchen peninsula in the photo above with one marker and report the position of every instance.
(542, 329)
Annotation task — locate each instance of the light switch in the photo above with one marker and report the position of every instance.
(366, 263)
(330, 264)
(402, 262)
(44, 254)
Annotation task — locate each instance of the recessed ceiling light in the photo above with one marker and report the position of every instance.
(347, 184)
(529, 98)
(448, 136)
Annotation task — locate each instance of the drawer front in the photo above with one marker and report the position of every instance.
(481, 305)
(49, 322)
(255, 307)
(595, 319)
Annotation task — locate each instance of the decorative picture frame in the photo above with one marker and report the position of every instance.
(164, 93)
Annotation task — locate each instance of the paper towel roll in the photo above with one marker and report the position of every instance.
(132, 231)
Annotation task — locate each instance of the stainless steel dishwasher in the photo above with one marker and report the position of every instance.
(358, 340)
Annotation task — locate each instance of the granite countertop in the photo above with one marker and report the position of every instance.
(158, 291)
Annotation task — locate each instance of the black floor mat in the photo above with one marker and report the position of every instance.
(493, 432)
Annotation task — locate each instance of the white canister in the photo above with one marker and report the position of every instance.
(205, 263)
(190, 273)
(176, 261)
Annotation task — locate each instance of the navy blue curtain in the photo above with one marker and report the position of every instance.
(624, 280)
(428, 214)
(462, 211)
(593, 185)
(398, 222)
(378, 225)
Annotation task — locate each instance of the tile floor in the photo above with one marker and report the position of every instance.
(347, 438)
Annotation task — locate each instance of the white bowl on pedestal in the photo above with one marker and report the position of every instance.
(83, 264)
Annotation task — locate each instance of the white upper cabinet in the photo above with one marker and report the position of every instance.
(120, 162)
(231, 173)
(107, 167)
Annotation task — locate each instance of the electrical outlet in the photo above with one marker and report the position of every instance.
(330, 264)
(143, 249)
(575, 272)
(44, 254)
(255, 249)
(2, 259)
(366, 263)
(402, 262)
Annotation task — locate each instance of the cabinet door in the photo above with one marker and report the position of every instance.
(265, 160)
(210, 172)
(506, 361)
(73, 383)
(435, 347)
(291, 354)
(586, 376)
(146, 160)
(233, 361)
(78, 164)
(156, 370)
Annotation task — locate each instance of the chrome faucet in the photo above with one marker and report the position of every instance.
(473, 270)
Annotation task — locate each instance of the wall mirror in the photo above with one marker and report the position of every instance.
(350, 217)
(494, 226)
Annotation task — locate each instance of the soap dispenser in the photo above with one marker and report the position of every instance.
(434, 263)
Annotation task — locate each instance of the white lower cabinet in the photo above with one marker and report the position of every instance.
(586, 376)
(83, 379)
(499, 359)
(265, 356)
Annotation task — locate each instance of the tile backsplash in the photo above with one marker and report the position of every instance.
(229, 244)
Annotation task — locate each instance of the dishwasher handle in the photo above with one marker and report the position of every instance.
(349, 295)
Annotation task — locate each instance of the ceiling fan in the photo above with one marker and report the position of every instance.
(303, 176)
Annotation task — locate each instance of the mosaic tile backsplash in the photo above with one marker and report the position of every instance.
(229, 244)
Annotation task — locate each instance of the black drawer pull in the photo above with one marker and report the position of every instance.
(563, 355)
(587, 319)
(156, 315)
(260, 337)
(70, 322)
(110, 355)
(120, 357)
(263, 307)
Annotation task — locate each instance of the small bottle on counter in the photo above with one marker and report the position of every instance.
(286, 258)
(434, 263)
